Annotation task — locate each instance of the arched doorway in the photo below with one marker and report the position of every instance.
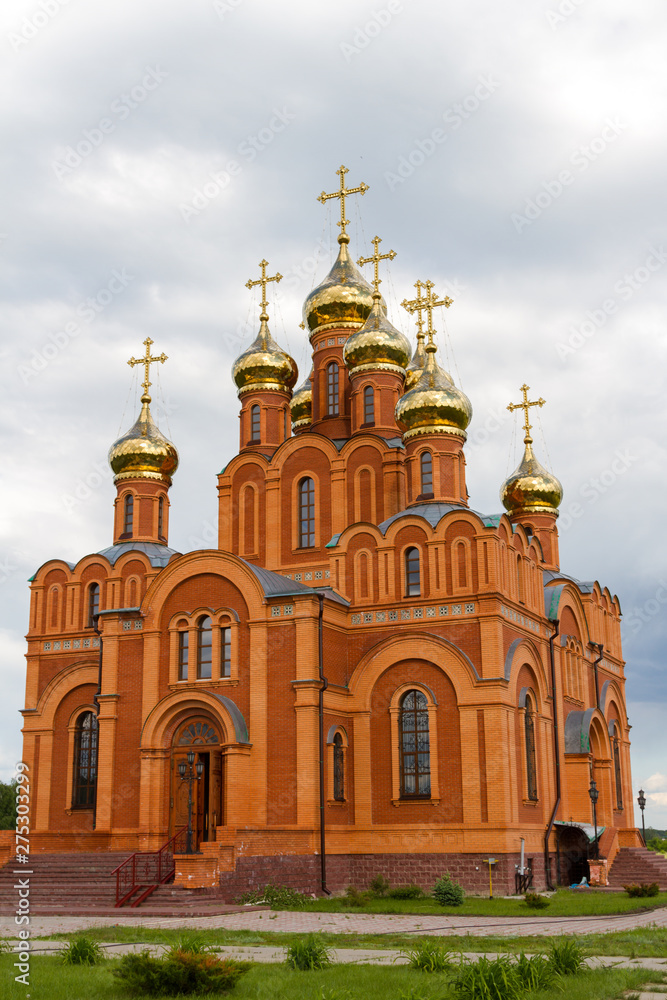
(202, 735)
(572, 854)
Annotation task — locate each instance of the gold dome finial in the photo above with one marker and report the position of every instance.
(263, 281)
(416, 366)
(147, 361)
(435, 405)
(375, 260)
(378, 345)
(264, 365)
(530, 488)
(343, 193)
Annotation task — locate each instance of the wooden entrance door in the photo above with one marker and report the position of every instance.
(200, 736)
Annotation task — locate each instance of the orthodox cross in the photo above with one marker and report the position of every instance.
(375, 260)
(342, 193)
(432, 302)
(147, 361)
(417, 305)
(263, 281)
(525, 405)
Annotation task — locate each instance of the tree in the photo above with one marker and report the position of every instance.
(7, 805)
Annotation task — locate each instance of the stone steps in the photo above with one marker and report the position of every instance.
(636, 865)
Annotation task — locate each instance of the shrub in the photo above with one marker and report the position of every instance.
(193, 945)
(277, 896)
(378, 885)
(536, 902)
(428, 956)
(355, 897)
(405, 892)
(308, 954)
(492, 980)
(179, 972)
(537, 973)
(655, 844)
(82, 951)
(566, 957)
(643, 889)
(447, 892)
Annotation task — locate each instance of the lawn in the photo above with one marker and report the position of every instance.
(52, 981)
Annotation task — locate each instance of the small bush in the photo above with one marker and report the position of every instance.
(492, 980)
(193, 945)
(447, 892)
(643, 889)
(355, 897)
(566, 957)
(536, 902)
(657, 844)
(378, 886)
(276, 896)
(537, 973)
(405, 892)
(179, 972)
(309, 954)
(429, 957)
(82, 951)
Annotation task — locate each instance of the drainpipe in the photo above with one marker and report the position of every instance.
(600, 649)
(96, 702)
(552, 660)
(323, 686)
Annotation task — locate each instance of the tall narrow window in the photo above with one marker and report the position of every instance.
(160, 518)
(54, 595)
(531, 768)
(369, 405)
(93, 603)
(128, 514)
(412, 574)
(183, 654)
(414, 746)
(254, 423)
(226, 652)
(426, 464)
(306, 513)
(616, 748)
(85, 761)
(338, 769)
(285, 424)
(204, 647)
(332, 389)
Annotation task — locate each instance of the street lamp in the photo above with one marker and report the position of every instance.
(594, 794)
(641, 799)
(190, 774)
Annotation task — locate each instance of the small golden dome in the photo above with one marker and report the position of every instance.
(144, 452)
(264, 365)
(344, 299)
(416, 367)
(378, 345)
(435, 405)
(301, 404)
(530, 488)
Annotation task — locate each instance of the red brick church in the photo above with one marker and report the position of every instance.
(369, 675)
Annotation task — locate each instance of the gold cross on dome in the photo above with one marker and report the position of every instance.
(375, 260)
(342, 193)
(525, 406)
(147, 361)
(417, 306)
(263, 281)
(432, 302)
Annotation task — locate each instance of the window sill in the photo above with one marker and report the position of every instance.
(337, 802)
(222, 681)
(417, 800)
(531, 802)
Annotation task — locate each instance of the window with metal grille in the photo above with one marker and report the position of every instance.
(255, 423)
(414, 746)
(412, 573)
(85, 761)
(128, 514)
(332, 389)
(426, 464)
(338, 768)
(369, 405)
(183, 654)
(616, 748)
(93, 603)
(204, 647)
(225, 652)
(306, 513)
(531, 763)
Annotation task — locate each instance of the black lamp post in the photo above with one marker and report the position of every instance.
(190, 774)
(594, 794)
(641, 799)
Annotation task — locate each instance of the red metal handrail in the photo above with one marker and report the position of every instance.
(145, 869)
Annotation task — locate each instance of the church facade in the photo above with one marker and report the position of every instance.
(370, 676)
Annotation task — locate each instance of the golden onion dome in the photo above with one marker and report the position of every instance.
(344, 299)
(378, 345)
(435, 405)
(530, 488)
(301, 404)
(264, 365)
(144, 452)
(414, 370)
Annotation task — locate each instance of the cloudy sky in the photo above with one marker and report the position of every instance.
(154, 152)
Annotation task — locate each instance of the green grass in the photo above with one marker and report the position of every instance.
(50, 980)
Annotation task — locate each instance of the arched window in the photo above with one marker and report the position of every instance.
(160, 518)
(412, 574)
(338, 769)
(255, 435)
(183, 652)
(286, 426)
(616, 750)
(204, 647)
(226, 652)
(414, 746)
(529, 735)
(332, 389)
(369, 405)
(54, 595)
(519, 579)
(85, 761)
(306, 513)
(93, 603)
(426, 468)
(128, 514)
